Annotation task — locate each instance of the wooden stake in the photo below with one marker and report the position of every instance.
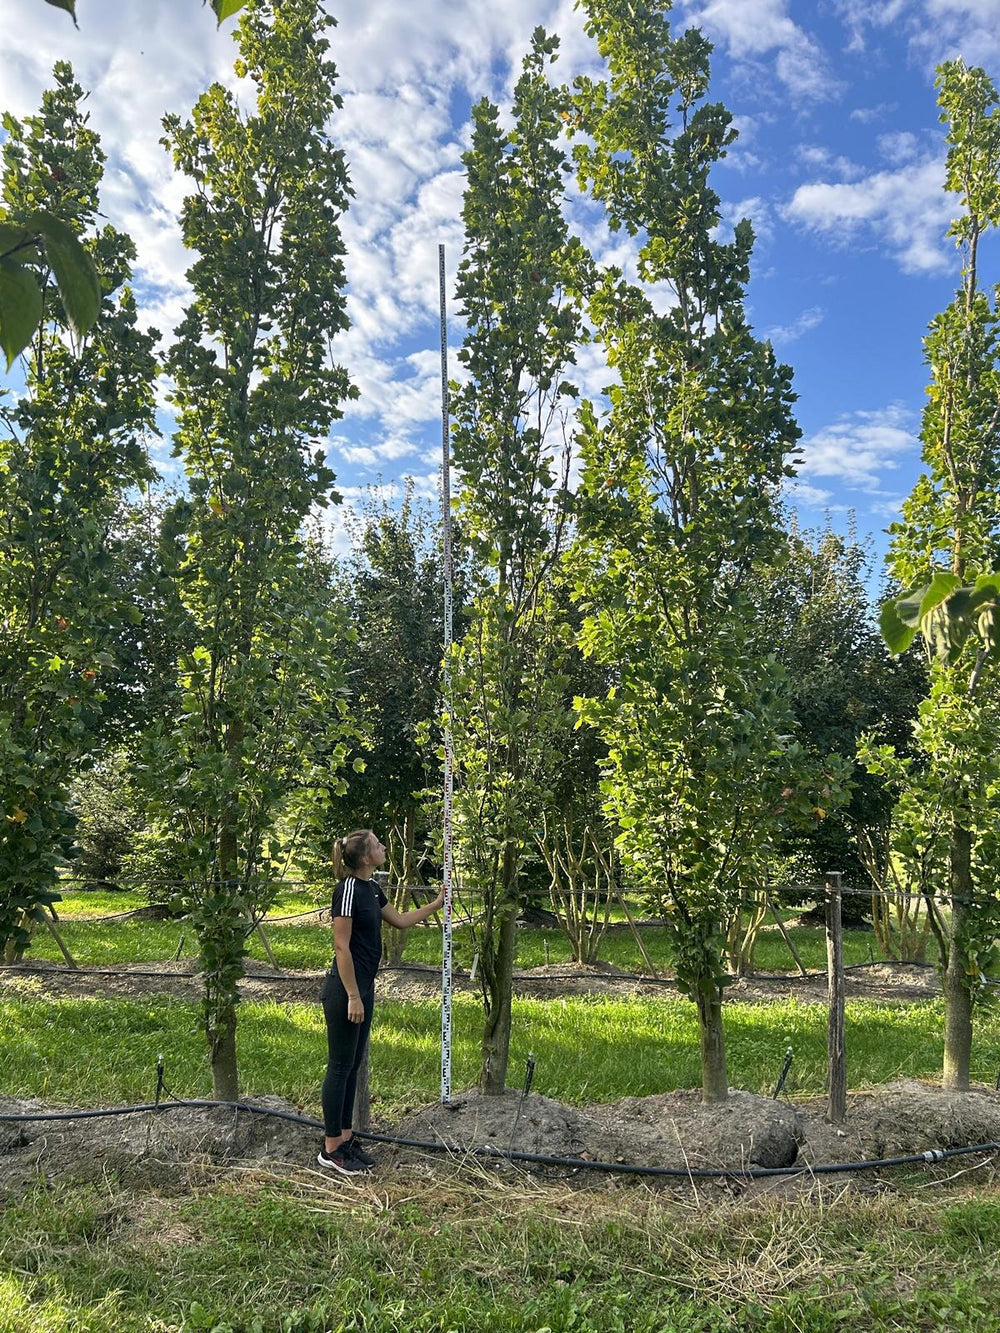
(638, 938)
(836, 1057)
(50, 921)
(267, 947)
(786, 937)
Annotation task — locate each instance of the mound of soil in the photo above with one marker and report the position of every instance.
(670, 1129)
(146, 1146)
(910, 1117)
(675, 1129)
(884, 982)
(536, 1125)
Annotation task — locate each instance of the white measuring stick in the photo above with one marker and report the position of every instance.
(449, 758)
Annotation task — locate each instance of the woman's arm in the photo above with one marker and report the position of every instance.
(342, 927)
(401, 920)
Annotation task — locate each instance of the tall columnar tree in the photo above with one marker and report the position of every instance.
(254, 388)
(946, 553)
(678, 513)
(70, 446)
(516, 283)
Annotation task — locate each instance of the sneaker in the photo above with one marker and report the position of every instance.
(340, 1160)
(354, 1149)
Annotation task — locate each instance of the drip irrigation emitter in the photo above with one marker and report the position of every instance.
(783, 1075)
(529, 1074)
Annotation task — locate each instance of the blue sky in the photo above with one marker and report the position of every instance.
(839, 165)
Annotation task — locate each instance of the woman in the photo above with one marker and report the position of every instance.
(359, 908)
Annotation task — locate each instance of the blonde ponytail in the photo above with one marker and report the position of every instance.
(349, 853)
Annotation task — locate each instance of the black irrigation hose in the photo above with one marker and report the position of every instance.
(932, 1155)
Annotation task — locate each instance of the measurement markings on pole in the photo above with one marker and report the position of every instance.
(449, 760)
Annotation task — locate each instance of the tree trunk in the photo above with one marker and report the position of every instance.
(496, 1027)
(225, 1078)
(714, 1082)
(498, 982)
(222, 995)
(955, 980)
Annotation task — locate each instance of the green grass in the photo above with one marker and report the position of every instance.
(251, 1254)
(75, 901)
(309, 947)
(95, 1050)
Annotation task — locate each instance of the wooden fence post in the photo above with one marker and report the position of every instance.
(836, 1057)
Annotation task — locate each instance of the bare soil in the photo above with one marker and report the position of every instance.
(884, 982)
(671, 1129)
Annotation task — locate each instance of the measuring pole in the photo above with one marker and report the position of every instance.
(449, 755)
(836, 1057)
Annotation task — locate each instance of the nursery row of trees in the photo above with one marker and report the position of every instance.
(654, 675)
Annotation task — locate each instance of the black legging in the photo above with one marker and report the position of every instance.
(346, 1043)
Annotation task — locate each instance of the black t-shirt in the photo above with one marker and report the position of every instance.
(362, 900)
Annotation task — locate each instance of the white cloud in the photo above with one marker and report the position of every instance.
(757, 209)
(742, 156)
(889, 509)
(800, 492)
(780, 335)
(935, 30)
(859, 15)
(904, 211)
(859, 447)
(372, 455)
(898, 146)
(864, 115)
(754, 29)
(835, 164)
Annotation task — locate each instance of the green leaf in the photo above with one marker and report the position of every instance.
(224, 9)
(11, 238)
(897, 632)
(68, 5)
(940, 588)
(20, 308)
(947, 626)
(926, 608)
(74, 271)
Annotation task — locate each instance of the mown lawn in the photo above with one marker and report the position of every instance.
(99, 943)
(93, 1050)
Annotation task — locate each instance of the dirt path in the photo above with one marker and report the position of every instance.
(884, 982)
